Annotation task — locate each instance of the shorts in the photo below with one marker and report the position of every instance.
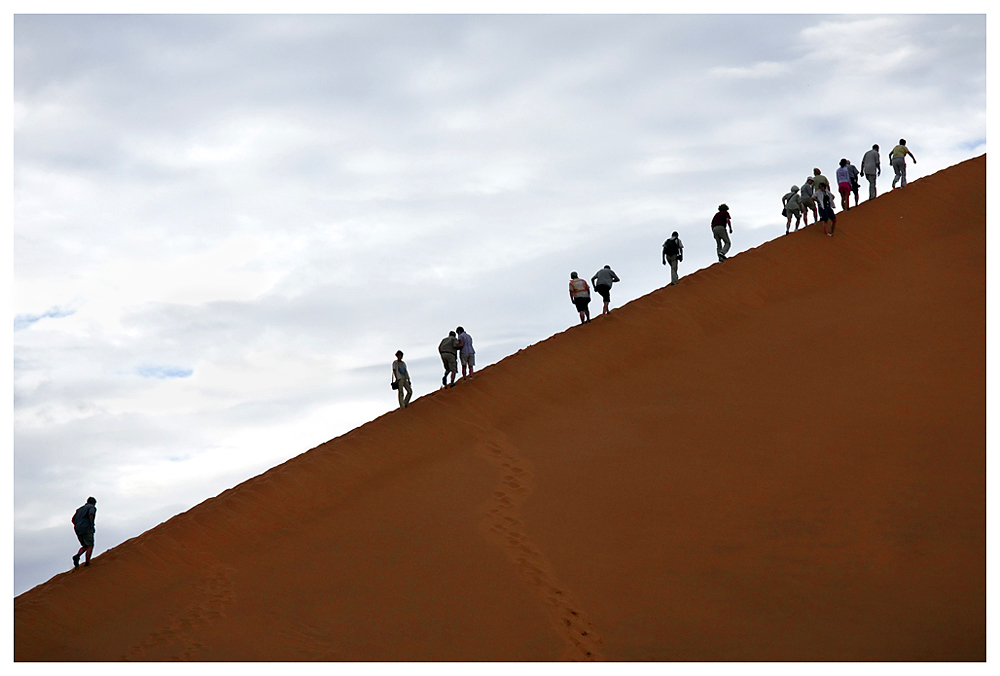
(450, 362)
(468, 358)
(845, 189)
(581, 303)
(793, 212)
(86, 539)
(807, 202)
(826, 214)
(605, 292)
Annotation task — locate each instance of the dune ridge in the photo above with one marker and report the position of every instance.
(781, 458)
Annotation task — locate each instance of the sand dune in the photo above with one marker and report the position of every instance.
(781, 458)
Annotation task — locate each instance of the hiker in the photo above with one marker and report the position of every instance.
(827, 202)
(448, 349)
(853, 174)
(819, 180)
(807, 201)
(720, 222)
(897, 157)
(579, 294)
(673, 253)
(83, 524)
(871, 167)
(792, 207)
(466, 352)
(844, 184)
(602, 281)
(401, 380)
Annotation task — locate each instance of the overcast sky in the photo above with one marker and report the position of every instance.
(224, 226)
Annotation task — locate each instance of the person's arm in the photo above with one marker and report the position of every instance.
(911, 156)
(729, 222)
(664, 253)
(593, 280)
(615, 277)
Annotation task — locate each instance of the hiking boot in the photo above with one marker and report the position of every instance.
(76, 561)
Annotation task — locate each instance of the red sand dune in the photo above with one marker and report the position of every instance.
(782, 458)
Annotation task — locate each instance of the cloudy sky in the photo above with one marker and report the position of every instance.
(224, 226)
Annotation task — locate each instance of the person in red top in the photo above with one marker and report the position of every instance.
(579, 293)
(720, 222)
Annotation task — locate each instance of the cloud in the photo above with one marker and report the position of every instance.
(23, 321)
(164, 372)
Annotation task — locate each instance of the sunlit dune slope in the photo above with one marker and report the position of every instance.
(781, 458)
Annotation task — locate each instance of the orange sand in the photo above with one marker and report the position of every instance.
(782, 458)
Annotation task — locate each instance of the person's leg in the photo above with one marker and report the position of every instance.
(726, 243)
(788, 223)
(798, 217)
(871, 186)
(896, 162)
(718, 241)
(833, 224)
(409, 392)
(673, 269)
(90, 550)
(902, 172)
(399, 392)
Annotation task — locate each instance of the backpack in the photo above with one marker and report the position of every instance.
(670, 247)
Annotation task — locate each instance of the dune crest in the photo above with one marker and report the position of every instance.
(781, 458)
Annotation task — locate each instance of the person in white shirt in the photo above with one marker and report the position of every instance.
(871, 167)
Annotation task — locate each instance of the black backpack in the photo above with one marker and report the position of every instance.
(670, 247)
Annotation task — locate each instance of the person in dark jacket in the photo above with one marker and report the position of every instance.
(83, 524)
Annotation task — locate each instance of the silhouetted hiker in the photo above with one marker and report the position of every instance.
(871, 167)
(898, 159)
(448, 350)
(401, 380)
(853, 173)
(602, 281)
(819, 180)
(807, 200)
(720, 222)
(467, 352)
(673, 253)
(792, 207)
(827, 202)
(83, 523)
(579, 294)
(844, 184)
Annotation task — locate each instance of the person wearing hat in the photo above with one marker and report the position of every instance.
(897, 157)
(401, 380)
(579, 294)
(792, 208)
(720, 222)
(807, 201)
(819, 180)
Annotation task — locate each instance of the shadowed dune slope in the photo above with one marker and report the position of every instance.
(781, 458)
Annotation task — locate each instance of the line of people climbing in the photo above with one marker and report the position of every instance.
(815, 195)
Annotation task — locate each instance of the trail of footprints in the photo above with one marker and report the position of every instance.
(214, 593)
(582, 642)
